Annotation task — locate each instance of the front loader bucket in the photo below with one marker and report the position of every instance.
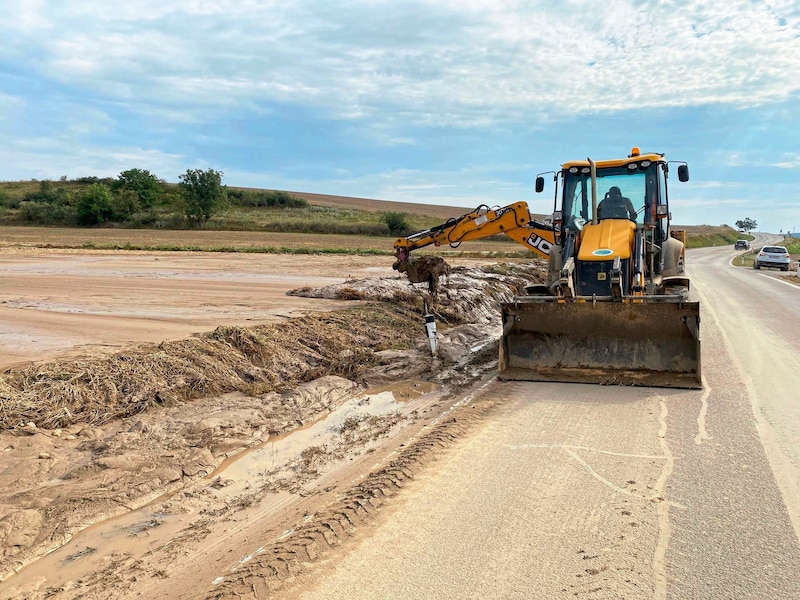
(649, 343)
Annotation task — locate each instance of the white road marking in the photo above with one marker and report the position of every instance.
(780, 280)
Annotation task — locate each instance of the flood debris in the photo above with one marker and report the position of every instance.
(81, 553)
(423, 269)
(148, 421)
(249, 360)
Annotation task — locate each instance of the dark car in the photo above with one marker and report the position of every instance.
(741, 245)
(772, 256)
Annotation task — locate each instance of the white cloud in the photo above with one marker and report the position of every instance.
(463, 187)
(443, 63)
(712, 185)
(788, 161)
(48, 158)
(95, 87)
(756, 158)
(9, 106)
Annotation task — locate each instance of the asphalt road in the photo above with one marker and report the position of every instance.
(615, 492)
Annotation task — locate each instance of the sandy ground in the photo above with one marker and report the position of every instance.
(134, 506)
(57, 303)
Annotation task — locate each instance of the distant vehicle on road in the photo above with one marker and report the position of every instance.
(772, 256)
(741, 245)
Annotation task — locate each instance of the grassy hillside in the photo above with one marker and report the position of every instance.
(703, 236)
(58, 204)
(94, 202)
(441, 213)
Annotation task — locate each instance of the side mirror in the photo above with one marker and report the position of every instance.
(539, 184)
(683, 172)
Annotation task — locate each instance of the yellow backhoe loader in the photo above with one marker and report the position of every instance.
(616, 308)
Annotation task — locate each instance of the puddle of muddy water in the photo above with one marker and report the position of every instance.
(149, 527)
(254, 466)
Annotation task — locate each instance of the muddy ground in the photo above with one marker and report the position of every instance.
(121, 466)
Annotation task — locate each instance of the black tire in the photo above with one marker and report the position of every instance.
(756, 265)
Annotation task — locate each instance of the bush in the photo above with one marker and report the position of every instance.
(41, 213)
(46, 193)
(95, 205)
(174, 221)
(144, 218)
(124, 203)
(89, 180)
(396, 222)
(268, 199)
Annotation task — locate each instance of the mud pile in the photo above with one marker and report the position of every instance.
(465, 295)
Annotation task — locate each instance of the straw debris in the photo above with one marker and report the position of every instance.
(250, 360)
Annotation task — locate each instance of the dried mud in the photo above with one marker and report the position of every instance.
(153, 435)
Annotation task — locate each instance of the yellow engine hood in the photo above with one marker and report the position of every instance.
(606, 240)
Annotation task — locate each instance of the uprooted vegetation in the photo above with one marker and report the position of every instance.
(253, 360)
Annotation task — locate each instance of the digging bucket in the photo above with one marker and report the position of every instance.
(654, 342)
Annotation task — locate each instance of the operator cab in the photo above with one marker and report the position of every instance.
(612, 224)
(633, 189)
(629, 191)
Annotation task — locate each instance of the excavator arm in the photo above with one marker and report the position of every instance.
(513, 220)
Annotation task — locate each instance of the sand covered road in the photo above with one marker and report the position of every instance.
(70, 303)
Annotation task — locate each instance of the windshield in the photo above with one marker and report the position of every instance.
(775, 250)
(623, 190)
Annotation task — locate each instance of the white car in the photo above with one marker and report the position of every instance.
(772, 256)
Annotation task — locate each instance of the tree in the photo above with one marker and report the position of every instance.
(141, 182)
(396, 222)
(203, 193)
(747, 224)
(95, 205)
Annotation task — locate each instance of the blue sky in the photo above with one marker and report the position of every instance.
(454, 102)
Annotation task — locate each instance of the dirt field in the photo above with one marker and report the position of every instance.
(57, 303)
(161, 411)
(25, 238)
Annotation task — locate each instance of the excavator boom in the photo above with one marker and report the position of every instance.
(513, 221)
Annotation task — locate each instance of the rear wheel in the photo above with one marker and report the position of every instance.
(756, 265)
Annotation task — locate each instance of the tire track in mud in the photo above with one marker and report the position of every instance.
(268, 569)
